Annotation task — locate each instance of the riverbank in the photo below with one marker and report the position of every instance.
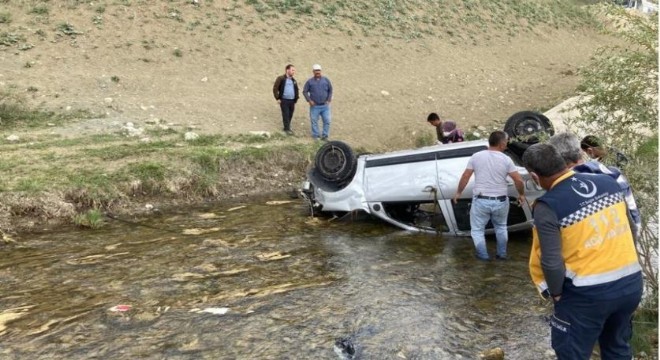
(57, 181)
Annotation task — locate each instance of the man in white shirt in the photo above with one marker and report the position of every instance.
(490, 200)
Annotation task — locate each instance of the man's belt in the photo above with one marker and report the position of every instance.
(499, 198)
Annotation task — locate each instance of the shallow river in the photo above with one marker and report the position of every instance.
(261, 280)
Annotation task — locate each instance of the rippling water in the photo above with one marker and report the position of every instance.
(283, 286)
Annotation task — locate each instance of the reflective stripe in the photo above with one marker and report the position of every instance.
(542, 286)
(603, 278)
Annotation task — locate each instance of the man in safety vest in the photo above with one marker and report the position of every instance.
(583, 257)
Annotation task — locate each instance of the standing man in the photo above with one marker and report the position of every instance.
(285, 91)
(568, 146)
(318, 93)
(490, 200)
(583, 257)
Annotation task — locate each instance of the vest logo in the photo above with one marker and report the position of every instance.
(586, 189)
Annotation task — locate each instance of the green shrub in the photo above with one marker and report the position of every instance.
(619, 102)
(92, 219)
(425, 138)
(41, 9)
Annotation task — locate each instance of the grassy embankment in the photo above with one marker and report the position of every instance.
(46, 177)
(111, 171)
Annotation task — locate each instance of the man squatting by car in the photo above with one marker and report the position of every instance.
(446, 131)
(583, 257)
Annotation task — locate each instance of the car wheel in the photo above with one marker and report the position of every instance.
(514, 153)
(528, 126)
(335, 161)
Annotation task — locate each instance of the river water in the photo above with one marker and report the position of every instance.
(262, 280)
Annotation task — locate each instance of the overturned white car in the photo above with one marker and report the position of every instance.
(413, 189)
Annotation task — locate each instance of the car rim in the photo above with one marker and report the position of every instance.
(528, 127)
(334, 160)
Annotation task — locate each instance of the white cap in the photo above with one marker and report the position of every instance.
(316, 67)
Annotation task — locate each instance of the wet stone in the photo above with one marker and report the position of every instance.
(492, 354)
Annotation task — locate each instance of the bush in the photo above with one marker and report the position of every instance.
(619, 102)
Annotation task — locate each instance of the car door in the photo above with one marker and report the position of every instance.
(450, 166)
(400, 178)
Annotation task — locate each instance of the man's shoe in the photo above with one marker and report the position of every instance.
(289, 132)
(503, 257)
(481, 258)
(325, 138)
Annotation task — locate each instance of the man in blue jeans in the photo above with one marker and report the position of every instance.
(490, 200)
(318, 93)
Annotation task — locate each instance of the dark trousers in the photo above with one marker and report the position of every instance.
(287, 106)
(579, 322)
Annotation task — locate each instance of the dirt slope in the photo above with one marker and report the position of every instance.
(195, 68)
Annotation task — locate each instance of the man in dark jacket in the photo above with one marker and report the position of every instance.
(583, 257)
(285, 91)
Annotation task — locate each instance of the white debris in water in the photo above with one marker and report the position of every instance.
(120, 308)
(216, 311)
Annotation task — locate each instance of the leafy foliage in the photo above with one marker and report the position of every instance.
(620, 89)
(619, 103)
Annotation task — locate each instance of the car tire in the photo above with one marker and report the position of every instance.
(514, 154)
(335, 161)
(528, 126)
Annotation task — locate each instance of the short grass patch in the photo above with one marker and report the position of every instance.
(14, 113)
(92, 219)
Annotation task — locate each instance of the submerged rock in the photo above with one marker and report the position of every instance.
(492, 354)
(344, 348)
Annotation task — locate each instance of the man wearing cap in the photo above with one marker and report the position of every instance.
(318, 93)
(285, 91)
